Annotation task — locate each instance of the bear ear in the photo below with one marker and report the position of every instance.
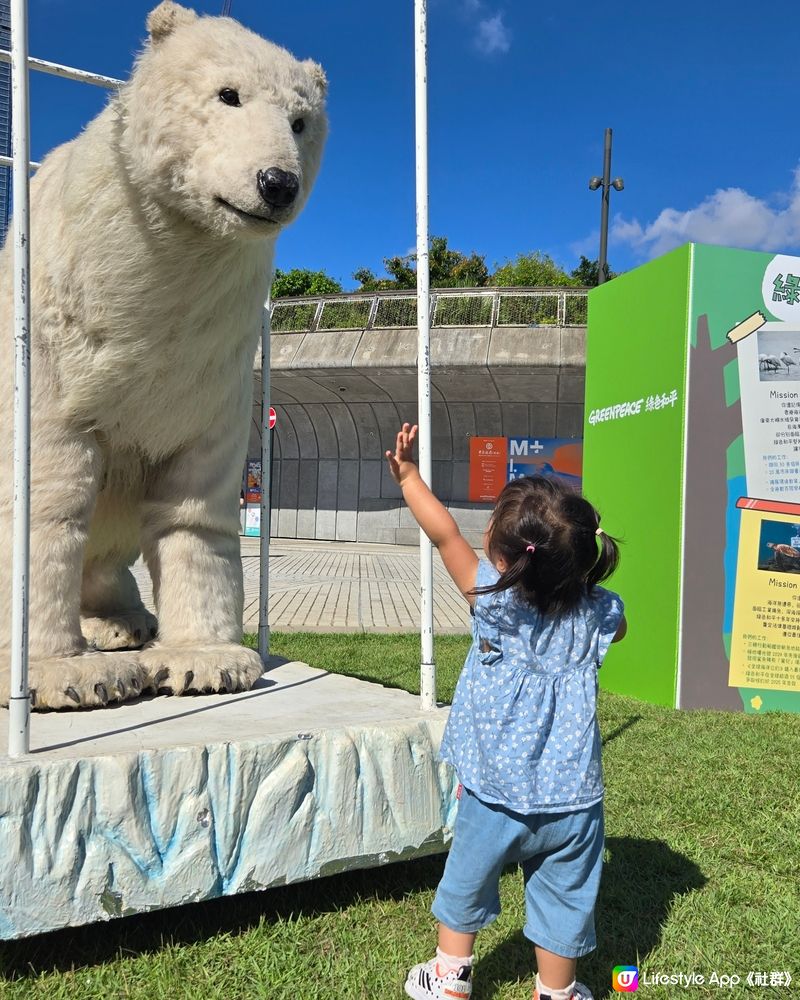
(164, 19)
(317, 74)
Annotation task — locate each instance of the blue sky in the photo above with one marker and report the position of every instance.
(701, 97)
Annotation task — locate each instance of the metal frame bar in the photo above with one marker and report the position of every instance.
(8, 161)
(19, 707)
(427, 681)
(266, 485)
(66, 72)
(20, 162)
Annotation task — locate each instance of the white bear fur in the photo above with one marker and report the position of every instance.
(147, 298)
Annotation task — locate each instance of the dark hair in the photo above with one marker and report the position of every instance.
(569, 556)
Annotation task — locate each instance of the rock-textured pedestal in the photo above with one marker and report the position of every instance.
(168, 801)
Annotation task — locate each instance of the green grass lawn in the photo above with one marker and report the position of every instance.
(702, 874)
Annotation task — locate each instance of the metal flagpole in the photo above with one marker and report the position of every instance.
(266, 470)
(19, 700)
(427, 663)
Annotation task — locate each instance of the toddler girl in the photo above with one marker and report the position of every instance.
(523, 734)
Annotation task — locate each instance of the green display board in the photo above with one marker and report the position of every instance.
(692, 454)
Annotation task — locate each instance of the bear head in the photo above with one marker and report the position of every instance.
(220, 125)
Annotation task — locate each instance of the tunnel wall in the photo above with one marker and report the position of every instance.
(341, 396)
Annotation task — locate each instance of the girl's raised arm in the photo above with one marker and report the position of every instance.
(431, 515)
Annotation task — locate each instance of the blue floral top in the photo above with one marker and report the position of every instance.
(523, 729)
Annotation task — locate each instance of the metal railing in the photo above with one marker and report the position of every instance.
(449, 307)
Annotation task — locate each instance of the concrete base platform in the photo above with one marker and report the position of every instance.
(172, 800)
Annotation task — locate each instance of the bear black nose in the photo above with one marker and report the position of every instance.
(277, 187)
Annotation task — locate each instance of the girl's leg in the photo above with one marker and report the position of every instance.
(455, 943)
(555, 971)
(467, 898)
(561, 886)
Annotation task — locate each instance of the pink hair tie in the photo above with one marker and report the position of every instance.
(531, 548)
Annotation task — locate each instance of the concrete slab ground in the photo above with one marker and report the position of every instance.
(318, 586)
(164, 801)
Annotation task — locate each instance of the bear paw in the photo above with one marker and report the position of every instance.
(202, 669)
(126, 630)
(88, 680)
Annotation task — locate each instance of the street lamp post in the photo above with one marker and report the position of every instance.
(606, 183)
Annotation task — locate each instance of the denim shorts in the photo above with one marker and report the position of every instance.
(561, 855)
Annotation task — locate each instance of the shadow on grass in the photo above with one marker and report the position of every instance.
(95, 944)
(621, 729)
(640, 880)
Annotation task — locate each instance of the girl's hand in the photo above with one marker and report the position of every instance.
(401, 463)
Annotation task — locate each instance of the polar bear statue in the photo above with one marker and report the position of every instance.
(152, 239)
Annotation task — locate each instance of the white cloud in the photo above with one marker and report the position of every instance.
(492, 35)
(730, 217)
(586, 246)
(491, 32)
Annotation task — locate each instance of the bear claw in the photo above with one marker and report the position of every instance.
(80, 680)
(201, 669)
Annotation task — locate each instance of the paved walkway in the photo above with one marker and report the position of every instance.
(342, 587)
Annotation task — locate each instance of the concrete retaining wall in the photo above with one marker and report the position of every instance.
(341, 396)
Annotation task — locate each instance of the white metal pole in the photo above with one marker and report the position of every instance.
(19, 701)
(427, 664)
(266, 486)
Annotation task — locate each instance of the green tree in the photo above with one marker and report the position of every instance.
(403, 271)
(448, 269)
(587, 273)
(369, 283)
(453, 269)
(536, 269)
(301, 281)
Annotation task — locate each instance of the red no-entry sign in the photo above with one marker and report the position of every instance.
(272, 417)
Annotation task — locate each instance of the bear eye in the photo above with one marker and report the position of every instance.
(231, 97)
(298, 125)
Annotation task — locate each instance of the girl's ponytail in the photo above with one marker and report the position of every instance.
(607, 561)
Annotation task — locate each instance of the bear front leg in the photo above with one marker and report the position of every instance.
(190, 541)
(65, 471)
(112, 613)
